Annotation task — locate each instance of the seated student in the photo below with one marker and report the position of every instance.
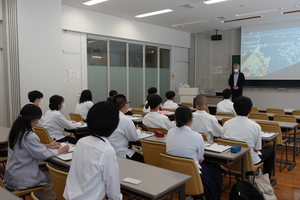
(226, 105)
(35, 97)
(205, 122)
(182, 141)
(95, 172)
(55, 122)
(84, 104)
(154, 119)
(25, 150)
(125, 132)
(241, 128)
(151, 90)
(112, 93)
(169, 104)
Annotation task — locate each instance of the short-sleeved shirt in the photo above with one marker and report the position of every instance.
(226, 106)
(169, 104)
(157, 120)
(83, 108)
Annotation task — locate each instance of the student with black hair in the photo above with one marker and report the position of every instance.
(205, 122)
(151, 90)
(25, 150)
(111, 94)
(154, 119)
(84, 104)
(226, 105)
(182, 141)
(35, 97)
(243, 129)
(125, 132)
(169, 104)
(55, 122)
(95, 173)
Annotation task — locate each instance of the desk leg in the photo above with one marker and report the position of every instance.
(294, 150)
(274, 149)
(181, 192)
(243, 168)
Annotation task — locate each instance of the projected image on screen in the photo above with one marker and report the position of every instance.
(271, 54)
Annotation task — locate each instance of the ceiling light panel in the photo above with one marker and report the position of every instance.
(154, 13)
(213, 1)
(290, 12)
(93, 2)
(259, 12)
(241, 19)
(188, 23)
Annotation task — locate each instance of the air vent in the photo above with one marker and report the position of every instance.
(188, 6)
(220, 18)
(297, 5)
(291, 12)
(241, 19)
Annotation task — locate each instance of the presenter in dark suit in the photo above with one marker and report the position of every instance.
(236, 82)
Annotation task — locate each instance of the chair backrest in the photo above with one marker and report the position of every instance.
(285, 118)
(236, 166)
(225, 114)
(184, 166)
(207, 110)
(157, 129)
(296, 112)
(76, 117)
(254, 115)
(224, 120)
(59, 181)
(204, 136)
(186, 104)
(151, 152)
(254, 109)
(272, 127)
(2, 183)
(275, 110)
(136, 111)
(43, 134)
(142, 105)
(33, 196)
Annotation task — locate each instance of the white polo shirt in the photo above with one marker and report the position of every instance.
(226, 106)
(169, 104)
(157, 120)
(244, 129)
(206, 123)
(184, 142)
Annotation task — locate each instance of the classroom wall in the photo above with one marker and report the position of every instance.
(91, 22)
(218, 53)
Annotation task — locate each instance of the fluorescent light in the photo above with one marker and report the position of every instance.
(188, 23)
(213, 1)
(96, 56)
(93, 2)
(259, 12)
(154, 13)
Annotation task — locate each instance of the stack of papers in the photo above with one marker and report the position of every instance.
(267, 134)
(65, 156)
(215, 147)
(146, 134)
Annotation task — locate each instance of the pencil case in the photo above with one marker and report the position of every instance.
(159, 134)
(235, 149)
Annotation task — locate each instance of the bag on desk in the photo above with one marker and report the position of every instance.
(243, 190)
(262, 183)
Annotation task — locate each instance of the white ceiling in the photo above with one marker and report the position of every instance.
(129, 8)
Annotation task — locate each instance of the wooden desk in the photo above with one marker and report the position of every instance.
(224, 158)
(157, 183)
(287, 111)
(5, 194)
(4, 132)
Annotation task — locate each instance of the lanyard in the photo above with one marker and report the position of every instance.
(97, 136)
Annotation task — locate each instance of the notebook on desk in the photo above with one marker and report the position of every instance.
(266, 134)
(65, 156)
(215, 147)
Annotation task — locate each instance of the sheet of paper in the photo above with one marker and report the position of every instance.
(146, 134)
(219, 148)
(267, 134)
(66, 156)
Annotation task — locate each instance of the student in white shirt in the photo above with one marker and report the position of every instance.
(204, 122)
(182, 141)
(125, 132)
(84, 104)
(154, 119)
(226, 105)
(36, 97)
(151, 90)
(25, 150)
(169, 104)
(243, 129)
(94, 173)
(55, 122)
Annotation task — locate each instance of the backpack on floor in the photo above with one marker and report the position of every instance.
(243, 190)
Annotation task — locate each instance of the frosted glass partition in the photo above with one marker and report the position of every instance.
(164, 71)
(151, 78)
(97, 82)
(117, 52)
(97, 68)
(135, 75)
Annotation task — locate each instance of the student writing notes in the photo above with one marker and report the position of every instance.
(25, 150)
(84, 104)
(94, 173)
